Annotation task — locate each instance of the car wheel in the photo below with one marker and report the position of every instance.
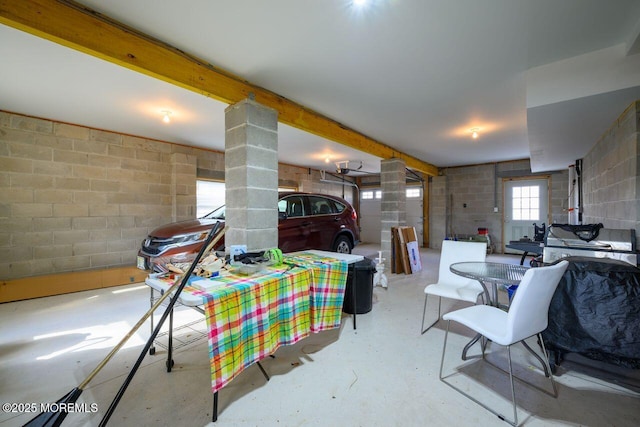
(342, 245)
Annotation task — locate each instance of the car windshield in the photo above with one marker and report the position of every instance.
(216, 214)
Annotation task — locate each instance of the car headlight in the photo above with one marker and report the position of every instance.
(190, 238)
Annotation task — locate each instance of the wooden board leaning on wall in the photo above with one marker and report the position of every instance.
(64, 283)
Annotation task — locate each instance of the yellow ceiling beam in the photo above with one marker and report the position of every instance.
(72, 25)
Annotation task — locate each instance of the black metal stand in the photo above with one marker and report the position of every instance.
(353, 294)
(214, 416)
(170, 343)
(166, 313)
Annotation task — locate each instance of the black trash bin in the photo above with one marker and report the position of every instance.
(364, 271)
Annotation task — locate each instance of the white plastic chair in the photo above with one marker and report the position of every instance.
(451, 285)
(527, 316)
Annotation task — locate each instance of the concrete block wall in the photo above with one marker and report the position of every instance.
(611, 183)
(311, 181)
(183, 185)
(74, 198)
(437, 211)
(560, 197)
(480, 187)
(475, 187)
(558, 185)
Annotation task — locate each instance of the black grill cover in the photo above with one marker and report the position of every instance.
(595, 312)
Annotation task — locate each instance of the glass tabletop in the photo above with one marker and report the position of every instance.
(506, 274)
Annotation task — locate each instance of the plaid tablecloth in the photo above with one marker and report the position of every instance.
(250, 317)
(328, 282)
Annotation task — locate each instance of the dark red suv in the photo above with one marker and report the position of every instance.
(305, 221)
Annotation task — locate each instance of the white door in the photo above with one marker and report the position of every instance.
(525, 202)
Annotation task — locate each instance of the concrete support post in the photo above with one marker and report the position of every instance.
(251, 175)
(393, 209)
(183, 186)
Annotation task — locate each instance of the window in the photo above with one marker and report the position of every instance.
(413, 192)
(209, 196)
(526, 203)
(320, 206)
(367, 195)
(371, 194)
(292, 206)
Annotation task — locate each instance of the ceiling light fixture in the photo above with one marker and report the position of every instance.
(474, 132)
(165, 116)
(359, 2)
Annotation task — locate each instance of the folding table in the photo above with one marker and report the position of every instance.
(303, 295)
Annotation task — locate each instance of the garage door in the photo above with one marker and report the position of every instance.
(370, 205)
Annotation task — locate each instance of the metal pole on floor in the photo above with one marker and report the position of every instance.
(151, 339)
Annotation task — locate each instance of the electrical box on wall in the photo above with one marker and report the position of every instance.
(495, 209)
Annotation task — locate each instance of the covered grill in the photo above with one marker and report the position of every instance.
(590, 240)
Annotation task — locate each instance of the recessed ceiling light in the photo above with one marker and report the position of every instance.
(165, 116)
(359, 2)
(474, 132)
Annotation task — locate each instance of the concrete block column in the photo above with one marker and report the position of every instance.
(251, 175)
(393, 209)
(183, 186)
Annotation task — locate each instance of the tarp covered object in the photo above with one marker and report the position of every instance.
(595, 312)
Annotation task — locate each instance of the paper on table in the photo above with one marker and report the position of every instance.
(206, 284)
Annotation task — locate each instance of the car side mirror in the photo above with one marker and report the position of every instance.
(282, 216)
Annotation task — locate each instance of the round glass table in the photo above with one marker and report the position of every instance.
(492, 272)
(497, 274)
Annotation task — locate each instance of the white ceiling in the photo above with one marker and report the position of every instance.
(540, 78)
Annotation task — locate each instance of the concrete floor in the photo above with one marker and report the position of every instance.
(382, 374)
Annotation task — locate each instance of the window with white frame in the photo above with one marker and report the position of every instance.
(413, 192)
(526, 203)
(366, 195)
(370, 194)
